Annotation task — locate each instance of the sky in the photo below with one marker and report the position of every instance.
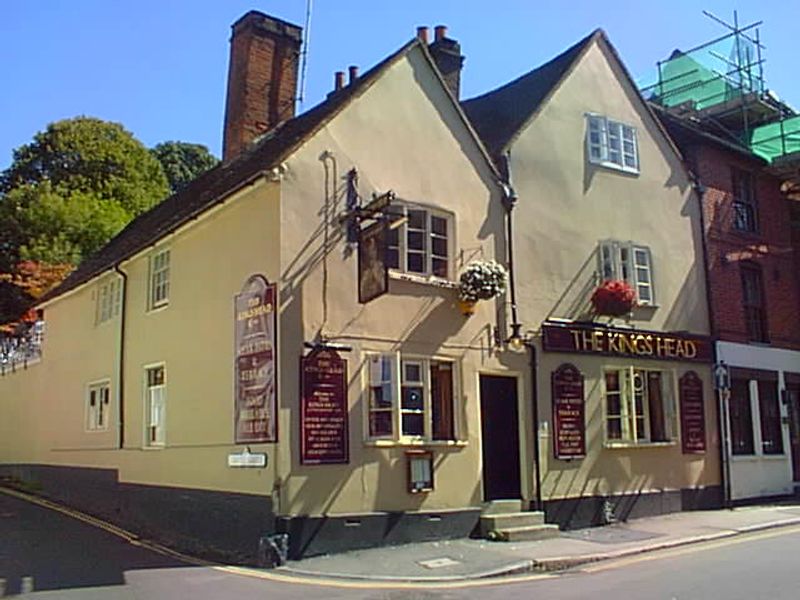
(159, 67)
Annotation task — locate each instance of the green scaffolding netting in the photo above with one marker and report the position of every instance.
(776, 139)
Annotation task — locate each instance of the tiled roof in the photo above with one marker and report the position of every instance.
(499, 114)
(214, 185)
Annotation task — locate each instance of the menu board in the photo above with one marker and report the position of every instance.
(323, 409)
(254, 362)
(693, 416)
(569, 425)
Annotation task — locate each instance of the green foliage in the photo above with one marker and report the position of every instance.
(183, 162)
(72, 188)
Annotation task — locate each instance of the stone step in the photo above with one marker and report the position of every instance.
(527, 534)
(510, 520)
(501, 507)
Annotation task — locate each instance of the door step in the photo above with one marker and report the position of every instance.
(504, 520)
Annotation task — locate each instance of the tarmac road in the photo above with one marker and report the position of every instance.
(70, 559)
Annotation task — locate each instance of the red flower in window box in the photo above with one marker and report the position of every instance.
(614, 298)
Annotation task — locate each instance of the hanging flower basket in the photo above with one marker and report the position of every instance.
(480, 280)
(614, 298)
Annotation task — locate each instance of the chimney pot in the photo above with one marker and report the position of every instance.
(353, 69)
(422, 34)
(440, 32)
(338, 80)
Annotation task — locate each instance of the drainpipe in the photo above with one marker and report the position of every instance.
(516, 340)
(721, 396)
(121, 355)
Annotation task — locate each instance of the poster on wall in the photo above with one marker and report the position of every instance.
(324, 437)
(255, 356)
(569, 424)
(373, 276)
(693, 415)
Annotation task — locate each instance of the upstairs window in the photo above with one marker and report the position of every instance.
(755, 313)
(411, 398)
(640, 406)
(159, 279)
(422, 244)
(629, 262)
(108, 300)
(612, 144)
(744, 201)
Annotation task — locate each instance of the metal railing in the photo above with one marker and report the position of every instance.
(21, 348)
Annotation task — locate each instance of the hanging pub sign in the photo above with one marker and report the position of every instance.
(373, 275)
(693, 415)
(636, 343)
(324, 438)
(254, 362)
(569, 421)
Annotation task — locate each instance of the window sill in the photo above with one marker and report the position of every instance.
(415, 443)
(154, 447)
(157, 309)
(615, 167)
(430, 280)
(626, 445)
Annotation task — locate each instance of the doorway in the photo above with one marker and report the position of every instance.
(500, 438)
(793, 404)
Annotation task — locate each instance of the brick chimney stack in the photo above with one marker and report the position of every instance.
(262, 79)
(447, 55)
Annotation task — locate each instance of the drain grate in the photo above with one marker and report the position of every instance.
(438, 563)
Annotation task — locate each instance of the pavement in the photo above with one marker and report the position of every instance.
(471, 559)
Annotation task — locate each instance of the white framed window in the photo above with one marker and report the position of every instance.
(159, 279)
(108, 300)
(155, 405)
(629, 262)
(639, 406)
(423, 244)
(98, 405)
(411, 398)
(611, 143)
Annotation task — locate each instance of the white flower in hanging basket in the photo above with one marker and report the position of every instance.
(482, 280)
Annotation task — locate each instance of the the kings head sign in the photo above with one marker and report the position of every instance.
(636, 343)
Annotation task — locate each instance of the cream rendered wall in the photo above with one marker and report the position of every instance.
(402, 134)
(567, 206)
(210, 259)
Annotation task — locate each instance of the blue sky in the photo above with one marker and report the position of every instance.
(160, 67)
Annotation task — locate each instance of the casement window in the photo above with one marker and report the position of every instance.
(630, 262)
(740, 414)
(411, 398)
(108, 300)
(612, 144)
(159, 279)
(770, 416)
(98, 399)
(422, 244)
(640, 406)
(745, 211)
(155, 405)
(755, 312)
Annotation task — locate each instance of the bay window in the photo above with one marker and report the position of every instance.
(640, 406)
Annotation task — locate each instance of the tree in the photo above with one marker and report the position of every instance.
(182, 162)
(76, 185)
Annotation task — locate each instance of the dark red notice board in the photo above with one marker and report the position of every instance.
(324, 438)
(693, 414)
(569, 421)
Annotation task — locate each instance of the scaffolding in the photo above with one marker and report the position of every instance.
(720, 86)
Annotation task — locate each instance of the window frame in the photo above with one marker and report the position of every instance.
(601, 152)
(97, 421)
(397, 384)
(627, 269)
(628, 415)
(154, 272)
(108, 300)
(744, 205)
(148, 441)
(401, 209)
(755, 314)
